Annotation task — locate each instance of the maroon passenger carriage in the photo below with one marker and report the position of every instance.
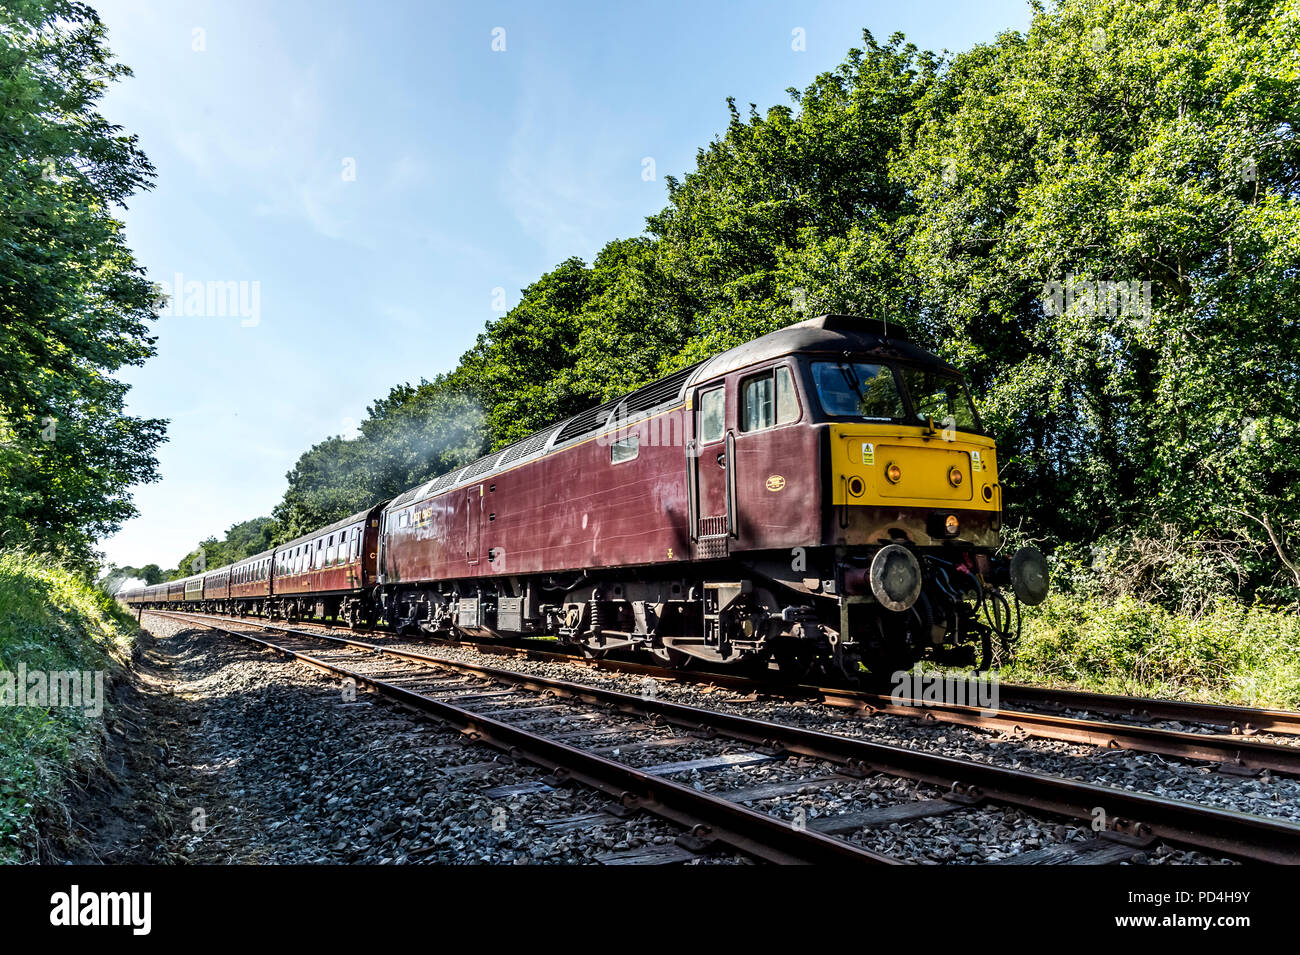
(822, 496)
(329, 572)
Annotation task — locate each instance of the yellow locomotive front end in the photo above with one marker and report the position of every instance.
(914, 515)
(950, 473)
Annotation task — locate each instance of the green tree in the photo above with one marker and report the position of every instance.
(1144, 141)
(73, 302)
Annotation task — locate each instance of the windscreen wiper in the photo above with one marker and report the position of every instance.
(851, 377)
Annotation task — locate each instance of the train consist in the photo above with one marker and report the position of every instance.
(823, 497)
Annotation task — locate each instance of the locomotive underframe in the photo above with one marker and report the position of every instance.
(814, 614)
(745, 610)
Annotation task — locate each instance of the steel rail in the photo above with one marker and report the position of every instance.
(1137, 815)
(1239, 719)
(708, 818)
(1231, 752)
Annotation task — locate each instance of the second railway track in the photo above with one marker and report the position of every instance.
(486, 702)
(1226, 736)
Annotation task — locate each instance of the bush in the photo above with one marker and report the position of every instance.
(50, 620)
(1230, 653)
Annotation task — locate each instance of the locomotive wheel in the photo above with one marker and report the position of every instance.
(673, 659)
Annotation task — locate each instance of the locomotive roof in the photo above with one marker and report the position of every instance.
(833, 334)
(825, 333)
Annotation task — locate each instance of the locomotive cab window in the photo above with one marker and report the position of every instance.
(941, 398)
(713, 422)
(858, 389)
(768, 400)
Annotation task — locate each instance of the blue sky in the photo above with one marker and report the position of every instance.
(369, 173)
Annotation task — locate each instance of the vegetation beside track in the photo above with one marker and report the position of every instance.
(1231, 653)
(51, 620)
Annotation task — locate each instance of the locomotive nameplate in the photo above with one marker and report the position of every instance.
(775, 483)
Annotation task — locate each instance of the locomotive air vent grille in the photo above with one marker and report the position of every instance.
(481, 466)
(526, 447)
(643, 399)
(447, 480)
(658, 392)
(586, 422)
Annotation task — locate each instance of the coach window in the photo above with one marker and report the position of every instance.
(713, 423)
(768, 400)
(332, 553)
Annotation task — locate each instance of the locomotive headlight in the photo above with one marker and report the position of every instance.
(893, 472)
(951, 525)
(954, 477)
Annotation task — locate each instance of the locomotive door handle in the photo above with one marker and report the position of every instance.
(722, 460)
(693, 489)
(733, 518)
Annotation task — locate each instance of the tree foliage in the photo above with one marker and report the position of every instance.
(73, 302)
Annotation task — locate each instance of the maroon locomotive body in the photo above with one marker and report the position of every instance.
(824, 493)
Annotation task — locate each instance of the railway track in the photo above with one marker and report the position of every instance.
(486, 702)
(1225, 738)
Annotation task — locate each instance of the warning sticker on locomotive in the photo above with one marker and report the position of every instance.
(975, 463)
(775, 483)
(868, 453)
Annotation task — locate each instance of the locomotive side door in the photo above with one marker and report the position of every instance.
(710, 454)
(775, 474)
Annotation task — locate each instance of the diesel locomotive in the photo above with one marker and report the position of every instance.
(821, 498)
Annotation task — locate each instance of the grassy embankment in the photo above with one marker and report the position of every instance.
(1231, 654)
(50, 620)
